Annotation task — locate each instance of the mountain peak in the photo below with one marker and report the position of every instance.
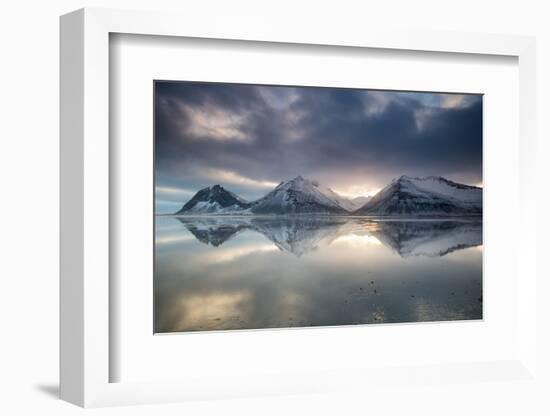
(405, 195)
(301, 180)
(298, 183)
(211, 189)
(214, 199)
(430, 195)
(297, 179)
(218, 189)
(300, 196)
(413, 178)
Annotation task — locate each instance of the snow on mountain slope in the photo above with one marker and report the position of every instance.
(403, 196)
(470, 195)
(339, 199)
(299, 196)
(214, 200)
(359, 201)
(424, 196)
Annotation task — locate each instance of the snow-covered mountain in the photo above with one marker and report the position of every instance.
(301, 196)
(405, 196)
(214, 200)
(424, 196)
(359, 201)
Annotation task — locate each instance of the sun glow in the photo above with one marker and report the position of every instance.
(234, 178)
(356, 191)
(206, 311)
(356, 240)
(170, 190)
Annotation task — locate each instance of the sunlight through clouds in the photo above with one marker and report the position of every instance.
(169, 190)
(215, 123)
(355, 191)
(227, 176)
(456, 100)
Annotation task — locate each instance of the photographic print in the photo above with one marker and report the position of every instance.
(291, 206)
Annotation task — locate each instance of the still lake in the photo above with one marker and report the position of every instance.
(225, 273)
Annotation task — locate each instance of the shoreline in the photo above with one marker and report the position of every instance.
(478, 218)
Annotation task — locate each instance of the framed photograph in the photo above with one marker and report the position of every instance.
(277, 213)
(288, 206)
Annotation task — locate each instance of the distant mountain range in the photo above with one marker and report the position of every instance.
(405, 196)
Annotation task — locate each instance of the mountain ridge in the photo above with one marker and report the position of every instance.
(215, 199)
(403, 196)
(299, 196)
(430, 195)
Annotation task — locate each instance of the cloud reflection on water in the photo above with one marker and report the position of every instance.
(241, 272)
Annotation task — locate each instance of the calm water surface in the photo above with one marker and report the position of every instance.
(221, 273)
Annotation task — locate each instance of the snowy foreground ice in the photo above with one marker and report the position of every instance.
(251, 272)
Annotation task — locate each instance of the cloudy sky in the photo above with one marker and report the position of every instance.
(249, 138)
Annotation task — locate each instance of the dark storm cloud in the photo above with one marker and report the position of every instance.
(249, 137)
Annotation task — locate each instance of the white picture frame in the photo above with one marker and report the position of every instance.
(85, 211)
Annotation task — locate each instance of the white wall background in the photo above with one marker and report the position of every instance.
(29, 206)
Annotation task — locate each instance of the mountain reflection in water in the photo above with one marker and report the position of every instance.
(214, 273)
(301, 235)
